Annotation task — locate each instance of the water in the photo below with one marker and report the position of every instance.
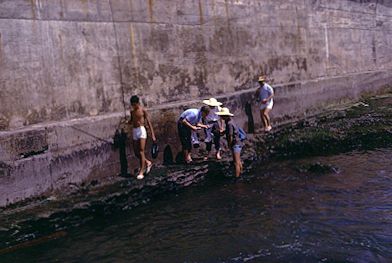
(279, 214)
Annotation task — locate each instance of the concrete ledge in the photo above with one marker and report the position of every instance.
(41, 159)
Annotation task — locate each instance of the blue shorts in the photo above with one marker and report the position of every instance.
(237, 148)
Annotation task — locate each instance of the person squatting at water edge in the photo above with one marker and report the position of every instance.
(215, 128)
(264, 96)
(139, 117)
(233, 140)
(190, 120)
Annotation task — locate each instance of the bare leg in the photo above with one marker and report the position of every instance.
(262, 117)
(267, 118)
(143, 159)
(136, 149)
(237, 164)
(217, 143)
(187, 155)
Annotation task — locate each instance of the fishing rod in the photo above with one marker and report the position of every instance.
(92, 135)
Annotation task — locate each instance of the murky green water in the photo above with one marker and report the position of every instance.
(282, 213)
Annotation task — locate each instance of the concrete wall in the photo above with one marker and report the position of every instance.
(66, 63)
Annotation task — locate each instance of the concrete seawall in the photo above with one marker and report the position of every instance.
(72, 65)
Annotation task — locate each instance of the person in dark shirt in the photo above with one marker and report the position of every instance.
(215, 128)
(233, 140)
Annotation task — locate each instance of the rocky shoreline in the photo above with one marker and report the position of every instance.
(361, 126)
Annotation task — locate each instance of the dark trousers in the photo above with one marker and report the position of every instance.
(215, 134)
(185, 134)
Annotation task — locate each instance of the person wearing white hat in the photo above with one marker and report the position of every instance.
(265, 95)
(215, 127)
(233, 139)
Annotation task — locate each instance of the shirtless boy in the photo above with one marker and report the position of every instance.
(139, 118)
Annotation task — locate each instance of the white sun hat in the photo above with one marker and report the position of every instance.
(225, 112)
(212, 102)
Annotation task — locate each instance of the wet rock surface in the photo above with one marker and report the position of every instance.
(362, 126)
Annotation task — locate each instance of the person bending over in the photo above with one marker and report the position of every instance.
(190, 120)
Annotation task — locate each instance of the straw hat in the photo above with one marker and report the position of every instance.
(212, 102)
(224, 112)
(261, 78)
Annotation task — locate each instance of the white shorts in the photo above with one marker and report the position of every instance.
(139, 133)
(268, 105)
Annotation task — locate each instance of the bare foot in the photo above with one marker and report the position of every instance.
(218, 156)
(148, 168)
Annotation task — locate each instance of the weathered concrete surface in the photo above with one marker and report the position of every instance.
(75, 62)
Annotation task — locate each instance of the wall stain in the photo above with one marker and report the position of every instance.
(151, 10)
(201, 13)
(374, 50)
(85, 7)
(33, 11)
(132, 45)
(160, 40)
(4, 123)
(1, 48)
(61, 9)
(134, 57)
(227, 15)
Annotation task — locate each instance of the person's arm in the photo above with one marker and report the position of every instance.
(269, 97)
(201, 125)
(130, 118)
(221, 125)
(229, 135)
(195, 128)
(147, 118)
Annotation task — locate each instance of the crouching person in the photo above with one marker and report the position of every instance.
(233, 140)
(190, 120)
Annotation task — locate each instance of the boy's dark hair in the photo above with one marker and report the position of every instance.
(134, 99)
(205, 109)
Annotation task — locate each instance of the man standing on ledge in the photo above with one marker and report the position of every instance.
(139, 118)
(265, 95)
(190, 120)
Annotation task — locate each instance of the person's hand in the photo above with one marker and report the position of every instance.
(154, 139)
(264, 101)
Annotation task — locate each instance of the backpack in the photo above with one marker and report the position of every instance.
(241, 134)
